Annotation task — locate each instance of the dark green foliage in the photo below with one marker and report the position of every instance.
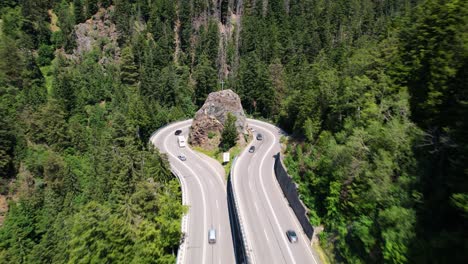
(11, 64)
(208, 43)
(435, 71)
(47, 125)
(122, 18)
(357, 169)
(129, 71)
(35, 23)
(99, 236)
(206, 80)
(7, 133)
(66, 22)
(374, 93)
(89, 187)
(229, 135)
(78, 11)
(45, 55)
(255, 87)
(90, 7)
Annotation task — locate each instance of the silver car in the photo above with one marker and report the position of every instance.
(292, 236)
(212, 236)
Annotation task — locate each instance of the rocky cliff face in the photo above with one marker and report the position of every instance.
(208, 123)
(98, 32)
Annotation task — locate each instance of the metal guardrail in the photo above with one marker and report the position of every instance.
(242, 249)
(166, 125)
(244, 254)
(186, 217)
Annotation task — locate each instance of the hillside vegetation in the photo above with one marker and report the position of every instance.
(372, 92)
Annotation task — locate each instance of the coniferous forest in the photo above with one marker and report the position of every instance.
(373, 95)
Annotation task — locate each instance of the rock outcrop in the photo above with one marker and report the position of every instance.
(208, 123)
(98, 32)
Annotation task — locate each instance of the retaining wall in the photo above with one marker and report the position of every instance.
(289, 188)
(237, 228)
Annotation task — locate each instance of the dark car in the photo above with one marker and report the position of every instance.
(291, 236)
(259, 136)
(182, 157)
(177, 132)
(252, 149)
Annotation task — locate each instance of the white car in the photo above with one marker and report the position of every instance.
(182, 157)
(212, 236)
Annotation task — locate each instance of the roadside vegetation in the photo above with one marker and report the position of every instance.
(372, 94)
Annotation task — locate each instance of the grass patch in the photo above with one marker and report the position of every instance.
(53, 21)
(235, 151)
(211, 135)
(217, 154)
(210, 153)
(47, 73)
(323, 257)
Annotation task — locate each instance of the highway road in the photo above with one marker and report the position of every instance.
(204, 191)
(264, 209)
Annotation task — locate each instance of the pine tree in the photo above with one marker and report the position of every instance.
(78, 11)
(205, 80)
(129, 71)
(7, 134)
(229, 135)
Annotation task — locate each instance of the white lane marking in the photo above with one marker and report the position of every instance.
(183, 125)
(199, 167)
(207, 175)
(217, 205)
(247, 234)
(201, 188)
(218, 175)
(249, 179)
(264, 231)
(256, 207)
(185, 197)
(305, 241)
(268, 200)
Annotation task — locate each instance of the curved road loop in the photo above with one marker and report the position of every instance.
(204, 192)
(264, 209)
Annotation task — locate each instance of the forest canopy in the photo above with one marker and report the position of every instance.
(372, 93)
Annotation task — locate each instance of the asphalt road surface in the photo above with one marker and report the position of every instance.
(204, 191)
(265, 211)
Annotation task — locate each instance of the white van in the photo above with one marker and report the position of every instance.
(212, 236)
(181, 141)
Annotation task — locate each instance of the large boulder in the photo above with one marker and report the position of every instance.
(208, 123)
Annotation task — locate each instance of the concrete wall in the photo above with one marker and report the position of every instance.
(237, 228)
(290, 192)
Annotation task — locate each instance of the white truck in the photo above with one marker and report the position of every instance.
(181, 141)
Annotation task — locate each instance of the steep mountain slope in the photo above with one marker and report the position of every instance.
(372, 92)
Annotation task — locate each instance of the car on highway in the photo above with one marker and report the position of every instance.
(177, 132)
(182, 157)
(212, 236)
(292, 236)
(181, 141)
(252, 149)
(259, 136)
